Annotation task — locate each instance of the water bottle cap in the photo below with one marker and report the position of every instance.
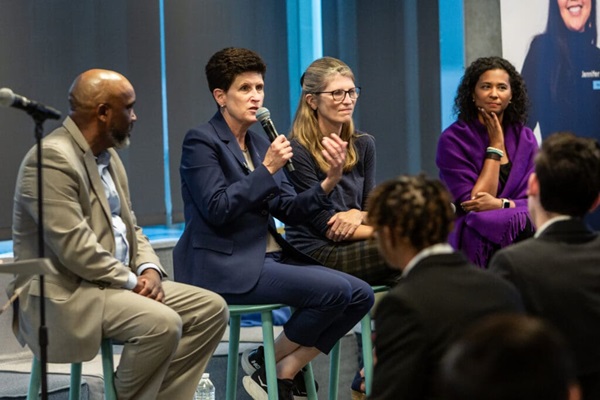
(205, 375)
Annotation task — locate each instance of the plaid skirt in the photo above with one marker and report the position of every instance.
(360, 259)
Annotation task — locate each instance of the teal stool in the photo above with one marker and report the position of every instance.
(75, 385)
(367, 353)
(334, 371)
(367, 343)
(235, 315)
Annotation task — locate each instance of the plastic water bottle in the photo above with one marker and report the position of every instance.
(205, 389)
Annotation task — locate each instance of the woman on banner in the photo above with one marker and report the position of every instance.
(562, 71)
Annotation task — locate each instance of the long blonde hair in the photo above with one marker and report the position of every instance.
(305, 128)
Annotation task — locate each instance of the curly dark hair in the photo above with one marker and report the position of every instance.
(414, 208)
(225, 65)
(464, 106)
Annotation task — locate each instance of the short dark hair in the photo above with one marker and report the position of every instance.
(464, 106)
(226, 64)
(507, 357)
(568, 171)
(413, 207)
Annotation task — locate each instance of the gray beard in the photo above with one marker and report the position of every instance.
(123, 144)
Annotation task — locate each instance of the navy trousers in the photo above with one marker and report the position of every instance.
(328, 303)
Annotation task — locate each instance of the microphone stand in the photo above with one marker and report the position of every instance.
(40, 265)
(39, 119)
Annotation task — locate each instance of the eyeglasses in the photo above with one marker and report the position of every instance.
(340, 94)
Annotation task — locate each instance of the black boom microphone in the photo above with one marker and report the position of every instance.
(264, 116)
(36, 110)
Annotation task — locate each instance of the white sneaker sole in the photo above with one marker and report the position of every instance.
(254, 389)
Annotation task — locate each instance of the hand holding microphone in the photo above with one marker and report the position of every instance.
(280, 150)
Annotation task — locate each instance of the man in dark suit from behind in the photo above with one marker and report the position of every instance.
(440, 292)
(558, 271)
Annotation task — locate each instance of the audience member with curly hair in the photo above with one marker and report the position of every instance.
(486, 157)
(434, 301)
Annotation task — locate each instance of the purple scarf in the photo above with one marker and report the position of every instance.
(460, 157)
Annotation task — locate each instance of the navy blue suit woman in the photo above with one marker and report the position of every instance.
(233, 186)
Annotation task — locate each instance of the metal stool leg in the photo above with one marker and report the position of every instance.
(108, 370)
(34, 380)
(309, 381)
(233, 356)
(367, 342)
(75, 385)
(269, 346)
(334, 371)
(75, 380)
(367, 349)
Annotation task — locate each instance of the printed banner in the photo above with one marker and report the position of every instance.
(554, 43)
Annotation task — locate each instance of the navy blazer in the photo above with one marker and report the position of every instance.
(229, 209)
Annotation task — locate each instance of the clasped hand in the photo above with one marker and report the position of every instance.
(149, 285)
(343, 225)
(482, 201)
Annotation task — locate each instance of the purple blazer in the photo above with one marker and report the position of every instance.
(460, 157)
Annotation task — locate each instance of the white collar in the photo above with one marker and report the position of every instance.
(546, 224)
(439, 248)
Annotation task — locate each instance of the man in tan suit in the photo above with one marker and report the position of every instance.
(110, 282)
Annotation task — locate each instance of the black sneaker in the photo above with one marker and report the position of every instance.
(299, 391)
(256, 386)
(253, 360)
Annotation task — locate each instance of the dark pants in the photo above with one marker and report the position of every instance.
(328, 303)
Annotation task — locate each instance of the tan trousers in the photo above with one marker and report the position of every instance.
(166, 346)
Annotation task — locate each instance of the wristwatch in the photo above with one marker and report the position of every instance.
(505, 203)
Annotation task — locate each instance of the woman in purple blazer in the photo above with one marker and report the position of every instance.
(485, 159)
(233, 186)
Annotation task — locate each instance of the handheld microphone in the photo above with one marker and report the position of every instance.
(36, 110)
(264, 116)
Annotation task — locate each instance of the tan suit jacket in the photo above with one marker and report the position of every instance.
(79, 240)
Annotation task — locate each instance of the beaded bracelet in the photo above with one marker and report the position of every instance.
(495, 151)
(493, 156)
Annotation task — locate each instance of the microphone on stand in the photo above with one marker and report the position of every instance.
(35, 109)
(264, 116)
(39, 113)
